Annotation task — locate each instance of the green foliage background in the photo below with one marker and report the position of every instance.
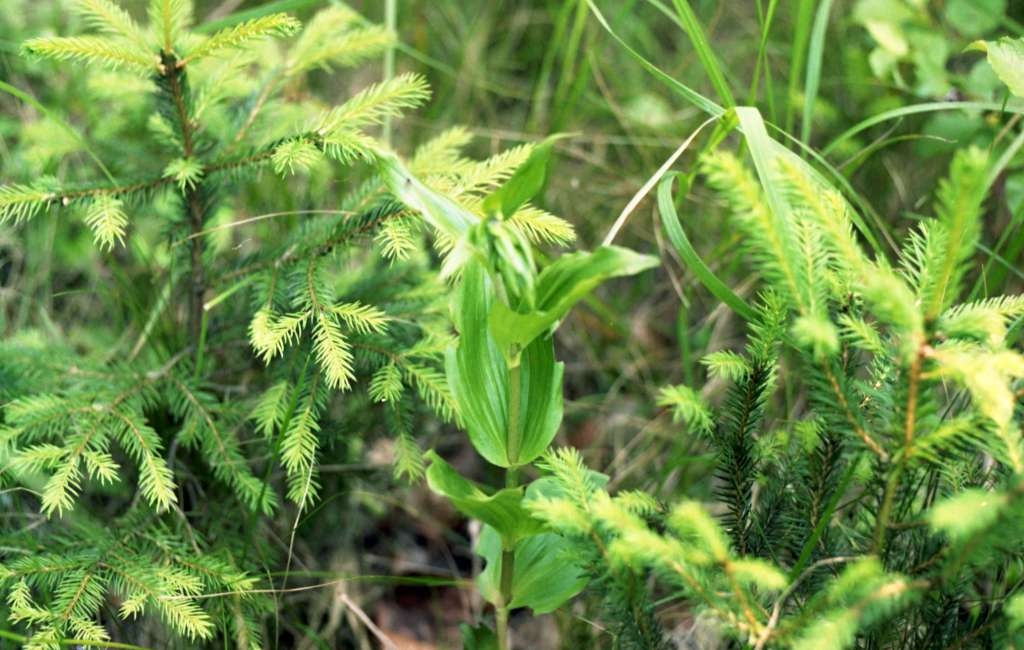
(321, 379)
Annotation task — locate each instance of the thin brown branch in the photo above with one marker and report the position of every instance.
(851, 417)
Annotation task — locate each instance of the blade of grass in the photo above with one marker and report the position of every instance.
(812, 79)
(691, 25)
(1004, 263)
(539, 106)
(651, 182)
(667, 12)
(763, 154)
(691, 95)
(797, 57)
(449, 71)
(1004, 160)
(567, 76)
(710, 107)
(854, 162)
(673, 228)
(915, 109)
(1012, 25)
(761, 63)
(77, 643)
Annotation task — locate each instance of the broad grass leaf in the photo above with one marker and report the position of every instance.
(544, 578)
(540, 399)
(526, 183)
(479, 377)
(560, 286)
(502, 510)
(441, 212)
(477, 371)
(677, 236)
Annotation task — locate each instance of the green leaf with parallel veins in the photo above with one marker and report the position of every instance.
(441, 212)
(540, 397)
(544, 575)
(479, 377)
(476, 370)
(560, 286)
(527, 181)
(502, 510)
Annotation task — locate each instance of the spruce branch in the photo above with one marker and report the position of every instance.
(169, 18)
(737, 462)
(93, 49)
(851, 413)
(155, 478)
(350, 229)
(108, 221)
(909, 429)
(336, 36)
(331, 37)
(220, 444)
(293, 155)
(186, 172)
(542, 227)
(19, 203)
(299, 443)
(397, 239)
(333, 351)
(959, 211)
(242, 34)
(162, 423)
(372, 104)
(108, 17)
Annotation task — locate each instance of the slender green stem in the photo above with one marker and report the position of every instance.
(515, 434)
(508, 555)
(275, 442)
(702, 46)
(512, 477)
(761, 64)
(508, 559)
(501, 618)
